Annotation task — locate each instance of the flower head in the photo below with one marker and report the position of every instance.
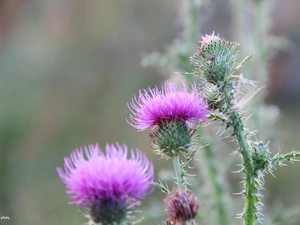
(153, 107)
(107, 181)
(209, 40)
(173, 138)
(216, 59)
(182, 206)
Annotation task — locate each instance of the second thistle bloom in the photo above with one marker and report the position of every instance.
(107, 185)
(153, 107)
(170, 109)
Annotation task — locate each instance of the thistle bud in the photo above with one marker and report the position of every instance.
(208, 41)
(260, 156)
(215, 59)
(212, 95)
(182, 206)
(173, 138)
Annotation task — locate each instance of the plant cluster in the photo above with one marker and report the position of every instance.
(108, 186)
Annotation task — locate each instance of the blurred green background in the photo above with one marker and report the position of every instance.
(68, 68)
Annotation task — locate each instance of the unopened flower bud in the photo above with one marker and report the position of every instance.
(208, 41)
(260, 156)
(261, 148)
(215, 58)
(212, 95)
(182, 206)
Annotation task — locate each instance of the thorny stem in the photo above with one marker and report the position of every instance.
(256, 72)
(178, 171)
(236, 123)
(253, 39)
(212, 170)
(191, 39)
(289, 157)
(250, 191)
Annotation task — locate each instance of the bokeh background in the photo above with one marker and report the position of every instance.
(68, 68)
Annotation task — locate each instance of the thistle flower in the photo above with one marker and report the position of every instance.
(153, 107)
(182, 206)
(170, 109)
(107, 185)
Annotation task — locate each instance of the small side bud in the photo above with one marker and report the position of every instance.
(182, 206)
(212, 96)
(260, 156)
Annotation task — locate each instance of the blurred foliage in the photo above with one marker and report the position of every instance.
(67, 70)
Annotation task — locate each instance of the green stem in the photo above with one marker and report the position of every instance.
(258, 32)
(243, 32)
(178, 171)
(190, 35)
(289, 157)
(239, 20)
(260, 26)
(236, 123)
(192, 27)
(250, 183)
(212, 171)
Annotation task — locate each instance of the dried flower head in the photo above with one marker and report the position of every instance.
(107, 184)
(153, 107)
(182, 206)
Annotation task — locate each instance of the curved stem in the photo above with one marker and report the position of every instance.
(178, 171)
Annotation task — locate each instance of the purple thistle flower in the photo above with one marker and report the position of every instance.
(172, 103)
(103, 181)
